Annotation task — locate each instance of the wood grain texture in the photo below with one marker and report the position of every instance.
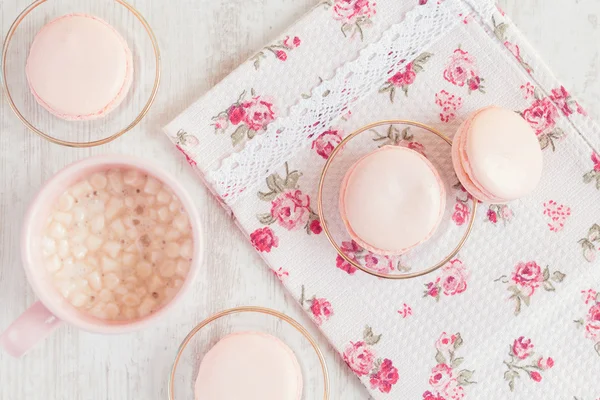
(201, 42)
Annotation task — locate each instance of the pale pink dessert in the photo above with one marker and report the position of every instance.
(392, 200)
(249, 366)
(497, 156)
(118, 244)
(79, 67)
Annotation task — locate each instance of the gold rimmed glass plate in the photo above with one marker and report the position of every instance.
(146, 71)
(244, 319)
(457, 221)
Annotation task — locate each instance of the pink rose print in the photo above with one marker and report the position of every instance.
(449, 103)
(264, 239)
(315, 227)
(462, 208)
(405, 77)
(259, 113)
(281, 274)
(528, 90)
(395, 137)
(545, 363)
(454, 278)
(184, 139)
(320, 309)
(445, 343)
(590, 296)
(385, 377)
(440, 376)
(462, 70)
(189, 159)
(594, 174)
(377, 263)
(565, 102)
(326, 142)
(405, 311)
(499, 213)
(461, 213)
(416, 146)
(542, 116)
(279, 49)
(527, 278)
(447, 381)
(454, 391)
(432, 396)
(290, 208)
(591, 322)
(248, 116)
(382, 264)
(354, 15)
(359, 357)
(452, 281)
(590, 242)
(291, 42)
(522, 348)
(592, 326)
(556, 215)
(351, 249)
(522, 361)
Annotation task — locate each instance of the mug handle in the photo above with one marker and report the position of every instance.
(28, 330)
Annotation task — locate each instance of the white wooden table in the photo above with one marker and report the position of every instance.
(202, 41)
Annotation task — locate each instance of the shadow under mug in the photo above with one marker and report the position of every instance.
(52, 309)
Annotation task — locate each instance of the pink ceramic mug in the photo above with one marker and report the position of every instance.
(52, 309)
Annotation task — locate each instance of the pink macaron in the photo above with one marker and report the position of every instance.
(392, 200)
(497, 156)
(250, 366)
(79, 67)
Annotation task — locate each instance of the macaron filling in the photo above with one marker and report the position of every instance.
(392, 200)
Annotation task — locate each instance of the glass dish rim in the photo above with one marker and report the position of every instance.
(250, 309)
(325, 226)
(48, 136)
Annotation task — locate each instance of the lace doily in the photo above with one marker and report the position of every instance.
(399, 45)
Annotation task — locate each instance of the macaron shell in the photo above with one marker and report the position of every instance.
(79, 67)
(503, 153)
(367, 217)
(249, 365)
(462, 168)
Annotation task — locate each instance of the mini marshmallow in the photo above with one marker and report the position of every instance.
(152, 186)
(93, 242)
(114, 252)
(98, 180)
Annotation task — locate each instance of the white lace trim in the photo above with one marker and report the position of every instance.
(376, 63)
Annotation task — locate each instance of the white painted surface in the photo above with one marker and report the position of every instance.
(201, 41)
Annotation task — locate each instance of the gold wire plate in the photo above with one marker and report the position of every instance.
(325, 225)
(249, 310)
(45, 133)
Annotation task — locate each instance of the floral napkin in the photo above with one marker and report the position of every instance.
(516, 315)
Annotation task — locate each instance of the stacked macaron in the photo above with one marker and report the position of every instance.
(392, 199)
(497, 156)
